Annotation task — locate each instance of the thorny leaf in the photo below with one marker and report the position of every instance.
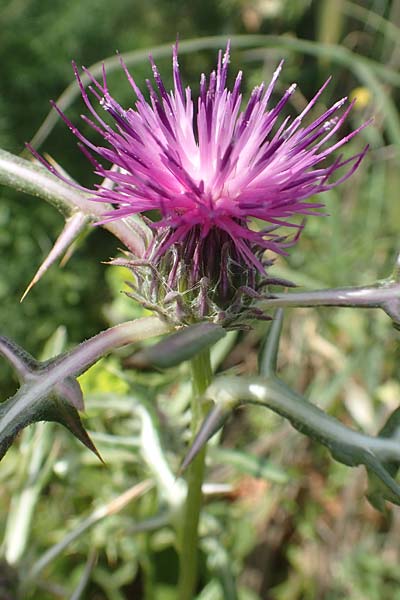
(376, 492)
(59, 405)
(74, 225)
(49, 390)
(380, 455)
(16, 415)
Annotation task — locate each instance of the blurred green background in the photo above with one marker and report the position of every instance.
(306, 533)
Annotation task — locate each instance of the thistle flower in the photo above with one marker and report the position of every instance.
(210, 170)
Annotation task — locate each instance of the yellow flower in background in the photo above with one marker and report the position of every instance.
(362, 97)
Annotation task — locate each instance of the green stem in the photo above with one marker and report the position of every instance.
(188, 547)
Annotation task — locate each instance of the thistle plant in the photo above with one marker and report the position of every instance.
(203, 193)
(210, 168)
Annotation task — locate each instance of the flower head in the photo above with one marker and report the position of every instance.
(210, 168)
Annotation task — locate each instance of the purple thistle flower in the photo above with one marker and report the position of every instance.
(210, 169)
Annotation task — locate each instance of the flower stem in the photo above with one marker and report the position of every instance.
(188, 547)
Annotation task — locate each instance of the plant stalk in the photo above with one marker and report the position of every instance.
(189, 536)
(384, 295)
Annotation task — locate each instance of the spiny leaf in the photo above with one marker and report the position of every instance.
(178, 347)
(382, 486)
(49, 390)
(70, 390)
(23, 363)
(380, 455)
(74, 225)
(214, 420)
(378, 493)
(29, 369)
(15, 415)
